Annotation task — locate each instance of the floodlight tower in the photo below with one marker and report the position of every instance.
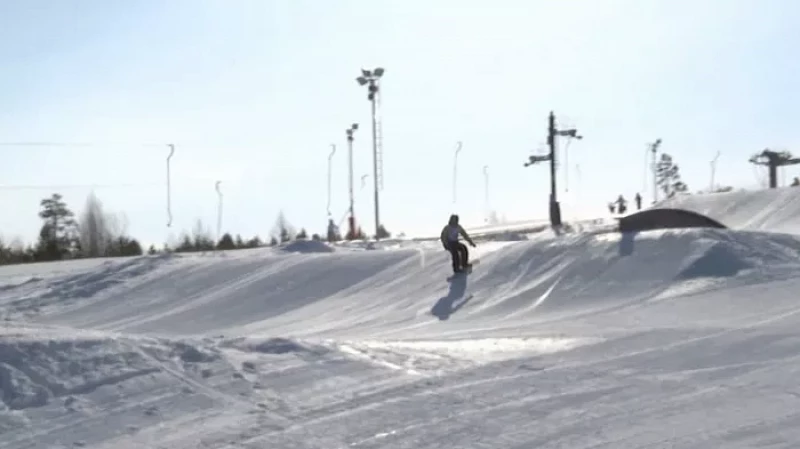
(352, 220)
(371, 79)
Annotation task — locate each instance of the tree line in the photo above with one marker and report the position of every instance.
(62, 236)
(99, 233)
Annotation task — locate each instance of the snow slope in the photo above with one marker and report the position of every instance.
(660, 339)
(774, 210)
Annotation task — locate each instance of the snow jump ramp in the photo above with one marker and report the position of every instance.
(666, 218)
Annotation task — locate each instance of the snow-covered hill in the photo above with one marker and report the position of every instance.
(774, 210)
(682, 338)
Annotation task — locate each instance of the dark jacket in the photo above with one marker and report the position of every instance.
(450, 235)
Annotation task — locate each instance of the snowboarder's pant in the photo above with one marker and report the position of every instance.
(460, 254)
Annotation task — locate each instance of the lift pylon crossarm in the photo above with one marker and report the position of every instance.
(535, 159)
(778, 158)
(569, 133)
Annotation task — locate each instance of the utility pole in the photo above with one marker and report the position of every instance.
(713, 172)
(486, 193)
(219, 212)
(455, 170)
(169, 197)
(370, 78)
(552, 133)
(654, 150)
(330, 175)
(352, 220)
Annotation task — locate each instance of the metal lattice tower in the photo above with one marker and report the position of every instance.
(379, 138)
(370, 79)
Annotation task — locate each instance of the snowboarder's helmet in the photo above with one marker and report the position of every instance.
(454, 219)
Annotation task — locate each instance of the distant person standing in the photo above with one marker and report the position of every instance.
(638, 200)
(622, 204)
(333, 231)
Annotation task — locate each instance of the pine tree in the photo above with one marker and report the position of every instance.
(226, 242)
(283, 230)
(59, 232)
(668, 176)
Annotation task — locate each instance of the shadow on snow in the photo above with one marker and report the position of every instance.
(454, 300)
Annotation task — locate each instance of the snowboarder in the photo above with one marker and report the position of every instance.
(458, 250)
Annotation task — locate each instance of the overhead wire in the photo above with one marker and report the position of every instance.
(171, 148)
(75, 186)
(79, 144)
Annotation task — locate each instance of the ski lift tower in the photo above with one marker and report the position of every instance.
(552, 133)
(772, 160)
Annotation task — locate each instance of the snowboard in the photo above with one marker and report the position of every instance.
(467, 270)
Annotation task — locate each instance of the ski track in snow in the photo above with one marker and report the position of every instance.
(682, 338)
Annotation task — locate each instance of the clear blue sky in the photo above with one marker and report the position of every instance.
(253, 93)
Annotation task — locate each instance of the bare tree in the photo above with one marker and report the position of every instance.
(121, 243)
(95, 228)
(17, 245)
(283, 231)
(202, 237)
(117, 226)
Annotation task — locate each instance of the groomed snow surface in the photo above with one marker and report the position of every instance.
(673, 339)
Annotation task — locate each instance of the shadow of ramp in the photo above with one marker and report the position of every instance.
(626, 243)
(719, 261)
(307, 247)
(454, 300)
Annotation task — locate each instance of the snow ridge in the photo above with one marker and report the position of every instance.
(599, 337)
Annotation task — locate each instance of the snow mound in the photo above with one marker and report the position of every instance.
(34, 372)
(773, 210)
(377, 349)
(70, 287)
(273, 345)
(403, 293)
(307, 247)
(112, 385)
